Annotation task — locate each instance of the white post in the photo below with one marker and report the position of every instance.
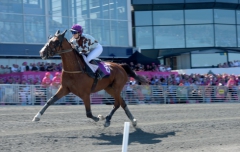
(125, 136)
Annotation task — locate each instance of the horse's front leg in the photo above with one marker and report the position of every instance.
(87, 104)
(60, 93)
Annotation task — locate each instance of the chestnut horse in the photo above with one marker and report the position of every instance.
(76, 80)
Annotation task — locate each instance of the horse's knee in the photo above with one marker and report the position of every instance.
(116, 106)
(89, 114)
(52, 100)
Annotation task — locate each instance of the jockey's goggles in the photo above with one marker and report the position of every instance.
(74, 32)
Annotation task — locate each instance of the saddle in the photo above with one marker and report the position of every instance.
(103, 70)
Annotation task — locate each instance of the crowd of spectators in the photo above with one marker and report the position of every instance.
(193, 79)
(40, 66)
(150, 67)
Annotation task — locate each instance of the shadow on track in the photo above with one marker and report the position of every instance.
(138, 136)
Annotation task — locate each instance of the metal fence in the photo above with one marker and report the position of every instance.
(132, 94)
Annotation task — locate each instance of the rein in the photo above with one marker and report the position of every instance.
(66, 51)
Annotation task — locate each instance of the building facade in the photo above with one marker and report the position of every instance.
(188, 33)
(26, 24)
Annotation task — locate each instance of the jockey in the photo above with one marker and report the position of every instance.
(56, 81)
(85, 44)
(46, 81)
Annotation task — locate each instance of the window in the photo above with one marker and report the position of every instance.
(208, 60)
(198, 1)
(225, 35)
(119, 33)
(167, 1)
(118, 9)
(144, 37)
(58, 8)
(11, 28)
(169, 37)
(198, 16)
(34, 7)
(11, 6)
(58, 23)
(35, 31)
(224, 16)
(143, 18)
(100, 30)
(167, 17)
(199, 35)
(238, 33)
(227, 1)
(238, 17)
(234, 57)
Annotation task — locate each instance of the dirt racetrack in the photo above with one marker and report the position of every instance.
(161, 128)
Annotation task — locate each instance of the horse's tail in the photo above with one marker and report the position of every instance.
(131, 73)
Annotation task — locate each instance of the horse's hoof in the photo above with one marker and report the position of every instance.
(96, 119)
(36, 119)
(134, 122)
(107, 124)
(101, 117)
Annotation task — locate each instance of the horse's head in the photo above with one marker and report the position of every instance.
(55, 45)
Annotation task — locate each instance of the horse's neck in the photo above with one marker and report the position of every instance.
(71, 61)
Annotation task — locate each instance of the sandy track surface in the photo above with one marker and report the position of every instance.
(161, 128)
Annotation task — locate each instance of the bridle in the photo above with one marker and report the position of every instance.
(58, 44)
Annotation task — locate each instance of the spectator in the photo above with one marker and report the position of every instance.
(34, 67)
(14, 68)
(46, 81)
(56, 81)
(23, 67)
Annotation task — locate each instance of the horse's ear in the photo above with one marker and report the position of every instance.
(64, 33)
(58, 31)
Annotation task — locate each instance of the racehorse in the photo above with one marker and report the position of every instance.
(76, 79)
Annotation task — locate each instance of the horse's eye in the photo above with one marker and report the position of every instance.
(57, 43)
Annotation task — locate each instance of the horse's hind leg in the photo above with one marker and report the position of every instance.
(128, 113)
(60, 93)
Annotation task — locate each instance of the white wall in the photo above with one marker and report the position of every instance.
(235, 71)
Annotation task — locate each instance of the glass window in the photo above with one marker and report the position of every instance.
(233, 57)
(167, 17)
(58, 7)
(198, 1)
(119, 33)
(169, 37)
(144, 37)
(118, 9)
(11, 6)
(100, 30)
(167, 1)
(227, 1)
(58, 23)
(143, 18)
(11, 28)
(225, 35)
(34, 7)
(78, 8)
(198, 16)
(34, 31)
(238, 17)
(199, 35)
(206, 60)
(224, 16)
(238, 34)
(141, 1)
